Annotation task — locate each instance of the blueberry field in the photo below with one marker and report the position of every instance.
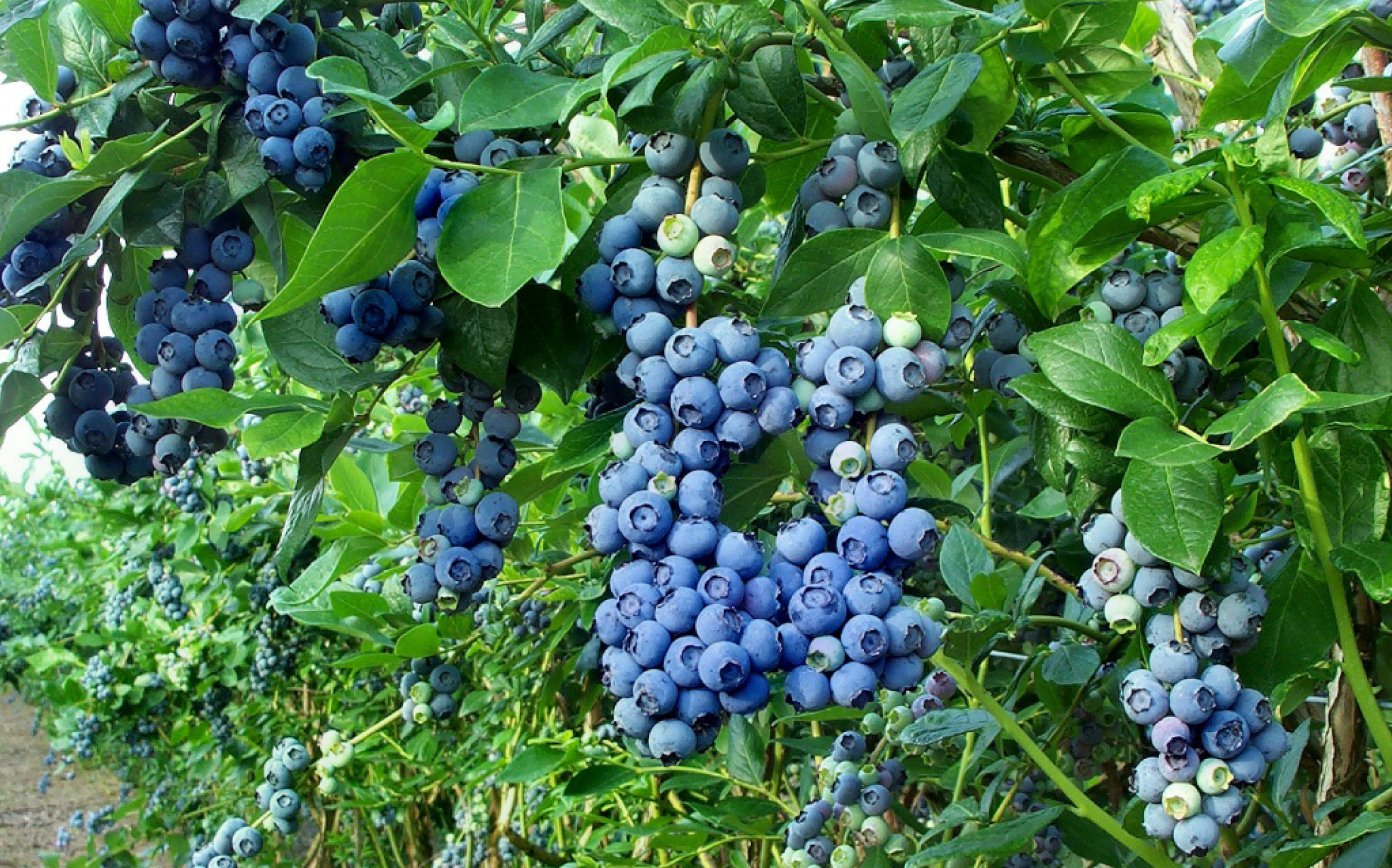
(481, 433)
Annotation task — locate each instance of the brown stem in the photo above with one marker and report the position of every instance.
(1375, 64)
(1181, 238)
(1174, 43)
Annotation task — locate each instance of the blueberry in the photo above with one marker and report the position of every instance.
(678, 280)
(148, 35)
(617, 235)
(671, 741)
(837, 175)
(1196, 835)
(633, 272)
(799, 540)
(297, 46)
(670, 155)
(654, 203)
(724, 666)
(468, 148)
(724, 153)
(215, 350)
(855, 325)
(868, 208)
(817, 610)
(314, 147)
(853, 685)
(824, 217)
(779, 411)
(863, 542)
(913, 534)
(900, 374)
(1143, 697)
(715, 215)
(806, 689)
(188, 39)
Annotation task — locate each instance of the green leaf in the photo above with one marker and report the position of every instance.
(558, 347)
(31, 48)
(943, 724)
(421, 640)
(314, 461)
(369, 227)
(1100, 364)
(1324, 342)
(1183, 506)
(913, 13)
(533, 763)
(113, 16)
(634, 17)
(818, 274)
(1048, 399)
(85, 46)
(1337, 208)
(302, 344)
(1164, 189)
(222, 409)
(1155, 441)
(1372, 563)
(747, 747)
(503, 234)
(750, 484)
(963, 558)
(980, 244)
(390, 71)
(283, 432)
(1306, 17)
(586, 443)
(479, 339)
(1297, 631)
(995, 839)
(1220, 263)
(10, 328)
(20, 392)
(1080, 228)
(512, 97)
(1351, 477)
(1070, 664)
(966, 186)
(762, 98)
(26, 200)
(1361, 321)
(596, 780)
(904, 277)
(863, 89)
(660, 49)
(1273, 405)
(927, 101)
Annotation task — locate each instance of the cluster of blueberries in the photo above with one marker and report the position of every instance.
(855, 793)
(1211, 736)
(182, 487)
(365, 578)
(168, 591)
(1218, 619)
(236, 839)
(393, 310)
(853, 186)
(44, 247)
(278, 644)
(1206, 11)
(1346, 135)
(335, 753)
(430, 690)
(443, 188)
(82, 412)
(1005, 355)
(97, 678)
(1142, 304)
(469, 522)
(494, 615)
(411, 399)
(1048, 842)
(699, 616)
(630, 281)
(84, 735)
(254, 470)
(199, 42)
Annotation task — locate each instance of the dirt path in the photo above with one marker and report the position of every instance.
(29, 821)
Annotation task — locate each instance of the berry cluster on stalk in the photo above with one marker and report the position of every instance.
(84, 415)
(469, 522)
(44, 246)
(1142, 305)
(237, 839)
(430, 690)
(858, 786)
(853, 187)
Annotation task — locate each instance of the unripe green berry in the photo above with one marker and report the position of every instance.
(663, 486)
(249, 294)
(421, 692)
(897, 847)
(935, 608)
(840, 508)
(900, 717)
(620, 447)
(1096, 310)
(1123, 612)
(843, 856)
(1214, 776)
(848, 459)
(868, 774)
(677, 235)
(434, 491)
(470, 493)
(903, 330)
(893, 699)
(854, 816)
(420, 713)
(1181, 800)
(803, 388)
(714, 256)
(873, 724)
(874, 831)
(329, 786)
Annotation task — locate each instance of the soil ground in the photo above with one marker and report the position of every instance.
(29, 821)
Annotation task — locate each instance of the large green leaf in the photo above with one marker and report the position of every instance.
(33, 52)
(27, 199)
(20, 392)
(1306, 17)
(863, 88)
(1219, 264)
(1100, 364)
(927, 101)
(762, 99)
(511, 97)
(302, 344)
(994, 839)
(1154, 441)
(369, 227)
(503, 234)
(1297, 631)
(283, 432)
(1084, 225)
(113, 16)
(1182, 505)
(479, 339)
(904, 277)
(634, 17)
(819, 272)
(1272, 406)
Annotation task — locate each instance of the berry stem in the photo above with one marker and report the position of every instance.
(984, 447)
(567, 563)
(1082, 804)
(375, 728)
(59, 109)
(1351, 659)
(1066, 624)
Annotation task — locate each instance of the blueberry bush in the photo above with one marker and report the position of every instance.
(778, 432)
